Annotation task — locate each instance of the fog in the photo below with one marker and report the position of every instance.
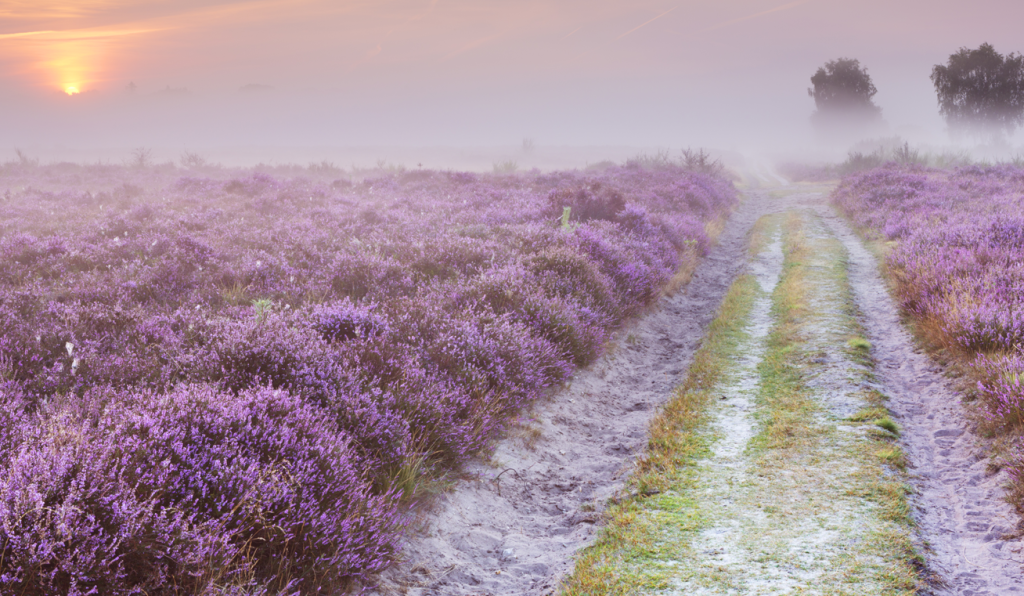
(462, 84)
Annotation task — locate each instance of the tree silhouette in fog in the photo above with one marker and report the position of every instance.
(981, 92)
(842, 93)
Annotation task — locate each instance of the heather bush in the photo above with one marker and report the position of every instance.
(1000, 385)
(251, 186)
(263, 350)
(367, 275)
(496, 358)
(576, 330)
(237, 383)
(566, 273)
(955, 244)
(637, 269)
(958, 239)
(592, 201)
(15, 409)
(686, 233)
(343, 320)
(186, 492)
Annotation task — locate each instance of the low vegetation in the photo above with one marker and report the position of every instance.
(875, 153)
(239, 381)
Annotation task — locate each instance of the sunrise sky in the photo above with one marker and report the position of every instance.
(460, 72)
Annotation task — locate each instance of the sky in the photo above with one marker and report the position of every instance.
(195, 74)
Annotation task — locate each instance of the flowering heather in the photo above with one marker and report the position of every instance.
(229, 383)
(957, 241)
(957, 262)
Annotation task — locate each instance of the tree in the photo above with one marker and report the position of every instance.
(981, 92)
(842, 93)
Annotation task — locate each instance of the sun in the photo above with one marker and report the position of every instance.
(71, 90)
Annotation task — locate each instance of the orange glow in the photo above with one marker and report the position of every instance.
(74, 60)
(70, 65)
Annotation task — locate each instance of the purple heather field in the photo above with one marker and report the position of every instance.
(955, 255)
(237, 381)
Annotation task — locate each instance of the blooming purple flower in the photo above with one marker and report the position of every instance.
(224, 384)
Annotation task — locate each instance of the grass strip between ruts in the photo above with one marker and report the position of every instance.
(677, 442)
(665, 509)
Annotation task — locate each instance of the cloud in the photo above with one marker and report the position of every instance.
(470, 46)
(77, 34)
(641, 26)
(15, 10)
(759, 14)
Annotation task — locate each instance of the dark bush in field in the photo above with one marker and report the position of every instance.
(593, 201)
(342, 320)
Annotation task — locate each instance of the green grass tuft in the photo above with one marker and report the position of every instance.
(888, 424)
(859, 343)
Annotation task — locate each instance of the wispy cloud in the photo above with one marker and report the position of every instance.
(641, 26)
(20, 10)
(26, 34)
(759, 14)
(78, 34)
(84, 14)
(472, 45)
(573, 32)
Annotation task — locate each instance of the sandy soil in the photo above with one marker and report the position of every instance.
(514, 527)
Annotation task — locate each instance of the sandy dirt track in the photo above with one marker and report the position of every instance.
(515, 526)
(966, 525)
